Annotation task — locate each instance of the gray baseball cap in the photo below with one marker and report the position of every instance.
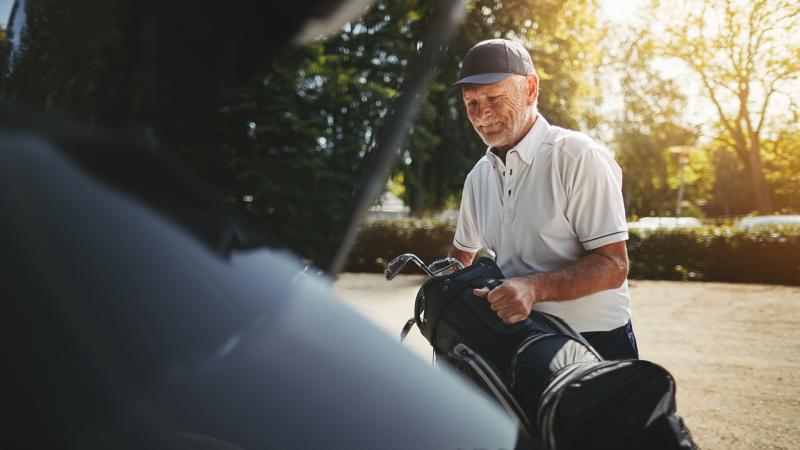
(492, 61)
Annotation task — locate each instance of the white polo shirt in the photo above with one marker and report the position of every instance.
(558, 195)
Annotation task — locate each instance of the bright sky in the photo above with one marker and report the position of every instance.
(5, 12)
(620, 11)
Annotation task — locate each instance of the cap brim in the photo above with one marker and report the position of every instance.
(481, 78)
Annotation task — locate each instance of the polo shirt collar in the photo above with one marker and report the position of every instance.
(528, 145)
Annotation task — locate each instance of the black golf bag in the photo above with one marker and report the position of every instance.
(545, 374)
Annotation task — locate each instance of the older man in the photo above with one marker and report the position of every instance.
(548, 201)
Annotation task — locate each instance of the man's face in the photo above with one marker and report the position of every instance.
(499, 112)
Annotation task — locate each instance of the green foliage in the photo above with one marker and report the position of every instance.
(782, 167)
(724, 253)
(84, 81)
(296, 137)
(781, 161)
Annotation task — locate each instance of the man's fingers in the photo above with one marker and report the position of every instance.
(491, 294)
(514, 319)
(496, 294)
(501, 303)
(510, 310)
(482, 292)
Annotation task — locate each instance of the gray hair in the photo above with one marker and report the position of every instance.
(522, 84)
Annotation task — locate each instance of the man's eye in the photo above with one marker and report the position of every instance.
(494, 99)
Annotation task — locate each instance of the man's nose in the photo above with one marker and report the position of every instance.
(483, 110)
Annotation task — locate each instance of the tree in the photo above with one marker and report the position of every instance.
(783, 169)
(745, 56)
(732, 193)
(650, 124)
(295, 139)
(79, 76)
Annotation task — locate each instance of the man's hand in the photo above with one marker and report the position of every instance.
(512, 300)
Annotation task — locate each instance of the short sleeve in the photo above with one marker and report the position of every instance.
(466, 238)
(594, 199)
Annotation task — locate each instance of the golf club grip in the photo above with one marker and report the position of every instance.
(493, 283)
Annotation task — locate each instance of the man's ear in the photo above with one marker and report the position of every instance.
(533, 88)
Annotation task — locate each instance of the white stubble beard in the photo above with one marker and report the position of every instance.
(509, 137)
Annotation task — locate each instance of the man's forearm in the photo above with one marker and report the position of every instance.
(604, 268)
(593, 273)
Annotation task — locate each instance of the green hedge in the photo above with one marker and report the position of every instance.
(380, 241)
(769, 255)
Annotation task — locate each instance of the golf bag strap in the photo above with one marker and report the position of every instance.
(494, 383)
(406, 329)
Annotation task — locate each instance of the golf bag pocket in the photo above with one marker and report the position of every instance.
(611, 404)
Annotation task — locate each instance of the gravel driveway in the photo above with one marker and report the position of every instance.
(734, 350)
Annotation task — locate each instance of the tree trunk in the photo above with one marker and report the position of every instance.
(760, 189)
(416, 190)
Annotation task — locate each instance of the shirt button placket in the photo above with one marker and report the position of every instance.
(508, 205)
(500, 169)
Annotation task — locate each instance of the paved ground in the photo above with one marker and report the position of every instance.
(734, 350)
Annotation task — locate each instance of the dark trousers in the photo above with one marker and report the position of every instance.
(619, 343)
